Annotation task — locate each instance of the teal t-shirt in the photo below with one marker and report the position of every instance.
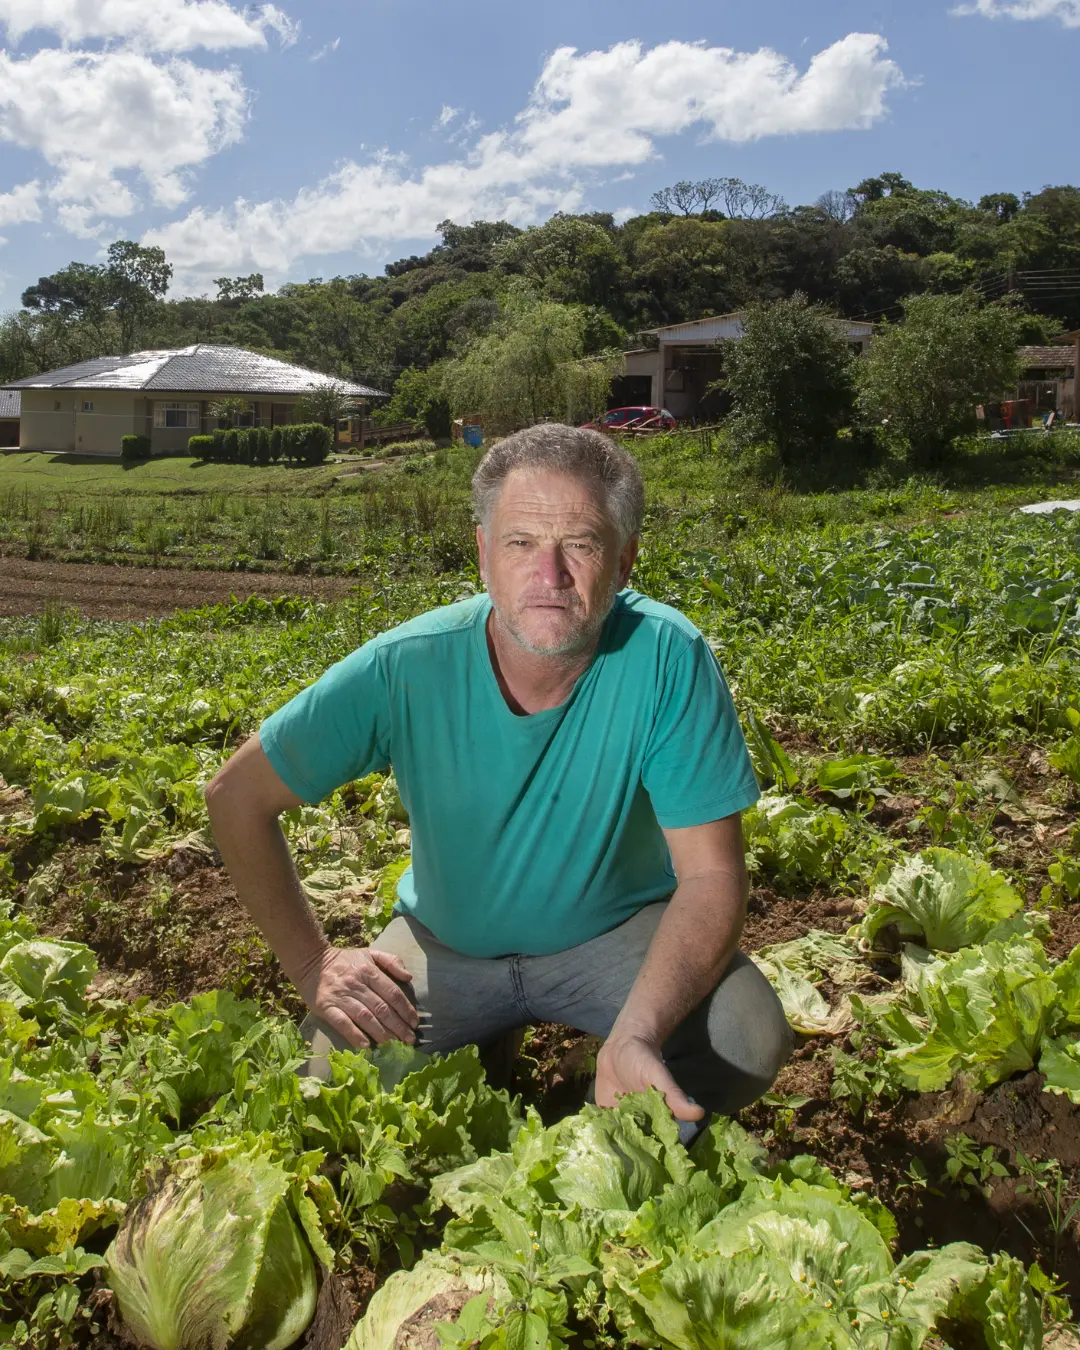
(530, 834)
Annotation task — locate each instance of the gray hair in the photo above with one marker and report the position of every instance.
(587, 455)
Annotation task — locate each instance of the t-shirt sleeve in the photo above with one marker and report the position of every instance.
(696, 766)
(335, 730)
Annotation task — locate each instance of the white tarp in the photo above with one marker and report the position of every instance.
(1044, 508)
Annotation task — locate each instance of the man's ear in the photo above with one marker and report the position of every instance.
(627, 558)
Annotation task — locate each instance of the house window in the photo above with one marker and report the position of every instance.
(56, 405)
(88, 405)
(186, 416)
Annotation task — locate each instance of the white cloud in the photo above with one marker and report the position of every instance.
(328, 50)
(447, 115)
(1068, 11)
(21, 205)
(81, 221)
(590, 111)
(155, 25)
(93, 116)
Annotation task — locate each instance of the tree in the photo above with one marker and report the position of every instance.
(840, 206)
(128, 286)
(570, 259)
(790, 378)
(326, 403)
(237, 290)
(228, 410)
(530, 368)
(136, 278)
(924, 377)
(687, 268)
(683, 197)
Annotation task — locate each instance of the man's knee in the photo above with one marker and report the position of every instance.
(729, 1053)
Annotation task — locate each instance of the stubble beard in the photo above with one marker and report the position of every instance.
(584, 636)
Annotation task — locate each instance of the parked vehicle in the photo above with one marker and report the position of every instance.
(640, 419)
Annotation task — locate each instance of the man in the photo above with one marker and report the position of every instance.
(574, 775)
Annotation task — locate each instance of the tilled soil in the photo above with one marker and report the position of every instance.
(110, 592)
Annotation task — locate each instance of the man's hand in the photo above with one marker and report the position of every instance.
(357, 992)
(629, 1063)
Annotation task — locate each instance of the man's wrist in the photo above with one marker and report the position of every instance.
(635, 1029)
(311, 966)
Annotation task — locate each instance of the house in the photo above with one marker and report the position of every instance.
(1048, 380)
(10, 406)
(87, 408)
(676, 373)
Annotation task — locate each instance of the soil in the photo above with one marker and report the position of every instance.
(110, 592)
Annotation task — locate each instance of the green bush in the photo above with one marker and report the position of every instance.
(417, 447)
(275, 445)
(231, 443)
(202, 447)
(219, 443)
(135, 447)
(307, 442)
(262, 455)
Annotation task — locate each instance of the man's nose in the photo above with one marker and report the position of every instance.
(552, 570)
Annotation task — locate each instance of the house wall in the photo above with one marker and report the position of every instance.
(9, 432)
(55, 419)
(115, 414)
(174, 440)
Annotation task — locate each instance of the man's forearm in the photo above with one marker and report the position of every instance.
(690, 950)
(257, 858)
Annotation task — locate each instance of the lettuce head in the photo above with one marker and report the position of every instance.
(212, 1257)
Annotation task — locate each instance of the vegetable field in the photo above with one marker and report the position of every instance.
(909, 681)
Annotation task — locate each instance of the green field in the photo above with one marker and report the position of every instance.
(413, 516)
(905, 661)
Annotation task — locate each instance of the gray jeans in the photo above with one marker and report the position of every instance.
(724, 1055)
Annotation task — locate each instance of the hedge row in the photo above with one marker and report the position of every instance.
(134, 447)
(299, 443)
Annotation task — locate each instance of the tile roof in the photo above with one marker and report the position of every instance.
(203, 369)
(10, 405)
(1046, 358)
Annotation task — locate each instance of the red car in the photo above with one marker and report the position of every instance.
(618, 419)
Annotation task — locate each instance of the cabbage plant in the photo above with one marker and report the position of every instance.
(211, 1258)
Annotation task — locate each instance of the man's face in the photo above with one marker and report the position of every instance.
(551, 561)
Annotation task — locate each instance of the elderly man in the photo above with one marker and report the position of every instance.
(574, 774)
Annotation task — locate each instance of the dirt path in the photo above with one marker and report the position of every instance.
(111, 592)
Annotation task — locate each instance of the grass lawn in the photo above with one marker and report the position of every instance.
(35, 470)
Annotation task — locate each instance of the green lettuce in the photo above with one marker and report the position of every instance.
(212, 1257)
(436, 1290)
(984, 1012)
(942, 899)
(1060, 1062)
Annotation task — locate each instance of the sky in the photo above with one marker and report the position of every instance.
(329, 137)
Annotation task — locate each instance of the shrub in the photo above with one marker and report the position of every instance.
(219, 443)
(417, 447)
(790, 379)
(275, 445)
(231, 442)
(263, 453)
(307, 442)
(202, 447)
(135, 447)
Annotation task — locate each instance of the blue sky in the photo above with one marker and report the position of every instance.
(331, 136)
